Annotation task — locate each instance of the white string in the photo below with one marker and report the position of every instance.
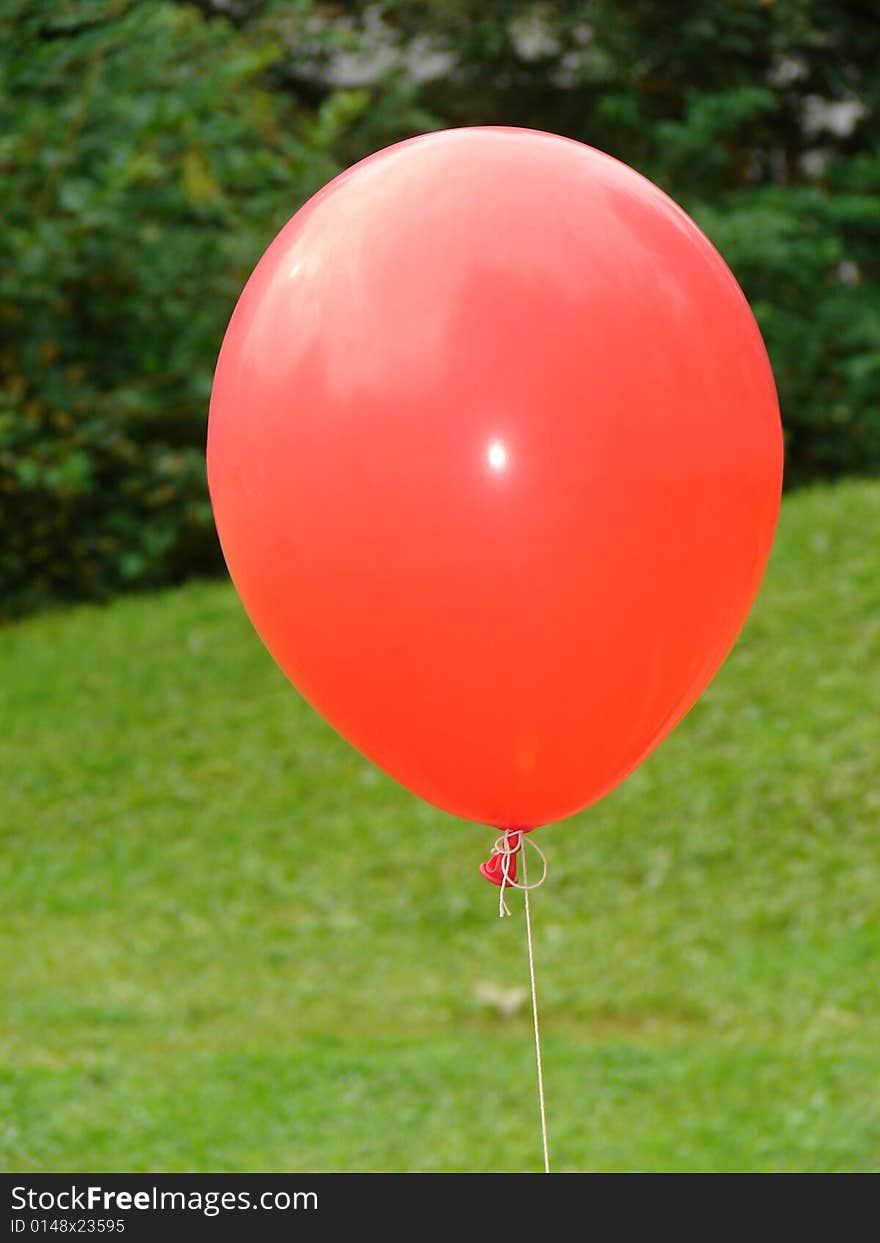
(525, 887)
(502, 847)
(506, 853)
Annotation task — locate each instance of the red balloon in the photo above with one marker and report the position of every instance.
(495, 460)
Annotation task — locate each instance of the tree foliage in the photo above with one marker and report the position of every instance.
(149, 151)
(758, 116)
(144, 168)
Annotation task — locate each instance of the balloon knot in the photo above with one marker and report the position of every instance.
(500, 867)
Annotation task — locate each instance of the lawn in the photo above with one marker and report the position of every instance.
(229, 943)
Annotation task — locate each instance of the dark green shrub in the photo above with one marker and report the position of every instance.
(143, 168)
(149, 150)
(760, 118)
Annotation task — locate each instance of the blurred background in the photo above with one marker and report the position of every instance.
(228, 942)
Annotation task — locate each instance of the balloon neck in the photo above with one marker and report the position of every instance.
(500, 867)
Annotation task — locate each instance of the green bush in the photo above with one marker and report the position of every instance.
(808, 261)
(759, 118)
(149, 151)
(144, 168)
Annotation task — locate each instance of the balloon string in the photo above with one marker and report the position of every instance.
(526, 887)
(507, 845)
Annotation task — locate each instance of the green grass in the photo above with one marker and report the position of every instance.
(229, 943)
